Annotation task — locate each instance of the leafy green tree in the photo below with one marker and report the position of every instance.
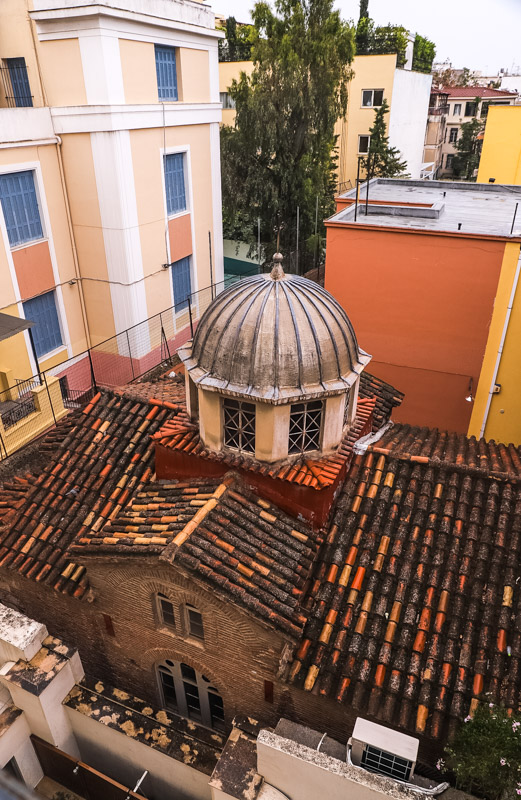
(364, 29)
(485, 755)
(382, 160)
(423, 54)
(280, 154)
(468, 149)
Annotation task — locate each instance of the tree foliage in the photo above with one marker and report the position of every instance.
(382, 160)
(453, 77)
(423, 54)
(280, 154)
(468, 148)
(374, 40)
(238, 42)
(485, 755)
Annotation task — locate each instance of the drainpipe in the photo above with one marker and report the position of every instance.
(501, 345)
(73, 243)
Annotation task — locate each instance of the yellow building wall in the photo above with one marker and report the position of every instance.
(16, 41)
(146, 148)
(62, 72)
(229, 71)
(13, 352)
(504, 416)
(139, 71)
(501, 154)
(194, 77)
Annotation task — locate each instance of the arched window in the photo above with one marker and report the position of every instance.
(191, 694)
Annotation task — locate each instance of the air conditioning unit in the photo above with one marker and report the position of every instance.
(383, 750)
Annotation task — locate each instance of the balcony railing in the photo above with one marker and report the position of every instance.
(438, 111)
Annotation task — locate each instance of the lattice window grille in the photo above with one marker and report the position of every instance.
(347, 408)
(384, 763)
(239, 425)
(305, 422)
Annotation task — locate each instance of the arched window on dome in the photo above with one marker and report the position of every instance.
(190, 694)
(305, 425)
(239, 425)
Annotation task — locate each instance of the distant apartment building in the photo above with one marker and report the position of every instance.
(109, 169)
(375, 78)
(429, 278)
(435, 134)
(465, 104)
(501, 153)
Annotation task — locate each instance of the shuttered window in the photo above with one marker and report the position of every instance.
(20, 207)
(20, 88)
(175, 183)
(181, 283)
(46, 332)
(166, 71)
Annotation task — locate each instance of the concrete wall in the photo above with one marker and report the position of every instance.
(501, 154)
(408, 117)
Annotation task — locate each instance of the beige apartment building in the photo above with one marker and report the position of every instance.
(435, 134)
(109, 170)
(463, 104)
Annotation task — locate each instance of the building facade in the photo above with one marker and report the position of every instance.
(501, 154)
(436, 301)
(465, 104)
(109, 169)
(435, 134)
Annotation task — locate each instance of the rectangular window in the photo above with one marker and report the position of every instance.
(181, 283)
(453, 136)
(166, 610)
(166, 71)
(46, 332)
(470, 109)
(305, 422)
(175, 183)
(372, 98)
(450, 159)
(239, 425)
(20, 207)
(227, 102)
(168, 687)
(215, 702)
(346, 408)
(457, 110)
(17, 88)
(195, 622)
(363, 144)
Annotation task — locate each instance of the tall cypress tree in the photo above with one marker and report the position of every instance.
(280, 154)
(382, 160)
(364, 29)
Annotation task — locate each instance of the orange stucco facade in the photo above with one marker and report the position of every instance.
(421, 304)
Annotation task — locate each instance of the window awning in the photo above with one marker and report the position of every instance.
(10, 325)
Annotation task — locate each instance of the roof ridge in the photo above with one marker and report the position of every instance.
(181, 537)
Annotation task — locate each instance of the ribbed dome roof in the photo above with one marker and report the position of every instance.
(276, 338)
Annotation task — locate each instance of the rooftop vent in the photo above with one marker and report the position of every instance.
(382, 750)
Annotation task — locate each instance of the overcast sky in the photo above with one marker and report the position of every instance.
(479, 34)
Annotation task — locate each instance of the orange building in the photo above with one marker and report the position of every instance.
(419, 276)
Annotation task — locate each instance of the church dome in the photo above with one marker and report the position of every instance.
(274, 338)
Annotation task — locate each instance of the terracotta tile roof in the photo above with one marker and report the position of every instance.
(180, 434)
(386, 396)
(165, 389)
(246, 549)
(101, 462)
(415, 607)
(12, 494)
(479, 457)
(475, 91)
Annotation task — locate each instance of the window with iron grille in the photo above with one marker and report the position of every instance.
(181, 283)
(20, 207)
(166, 610)
(41, 310)
(239, 425)
(175, 183)
(166, 71)
(377, 760)
(191, 694)
(16, 83)
(346, 408)
(194, 620)
(305, 422)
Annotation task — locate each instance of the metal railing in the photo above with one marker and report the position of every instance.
(438, 111)
(16, 86)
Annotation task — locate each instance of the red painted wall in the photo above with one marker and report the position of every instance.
(421, 305)
(33, 269)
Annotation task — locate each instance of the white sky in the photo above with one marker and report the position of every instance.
(480, 34)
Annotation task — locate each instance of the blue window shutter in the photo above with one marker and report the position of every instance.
(46, 332)
(19, 82)
(181, 283)
(175, 183)
(166, 71)
(20, 207)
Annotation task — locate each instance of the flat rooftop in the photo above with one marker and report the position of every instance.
(485, 209)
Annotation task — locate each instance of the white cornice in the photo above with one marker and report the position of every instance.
(92, 119)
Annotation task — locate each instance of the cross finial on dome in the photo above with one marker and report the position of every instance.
(277, 273)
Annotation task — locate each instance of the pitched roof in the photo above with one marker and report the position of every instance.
(415, 608)
(100, 463)
(246, 549)
(475, 91)
(387, 398)
(180, 434)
